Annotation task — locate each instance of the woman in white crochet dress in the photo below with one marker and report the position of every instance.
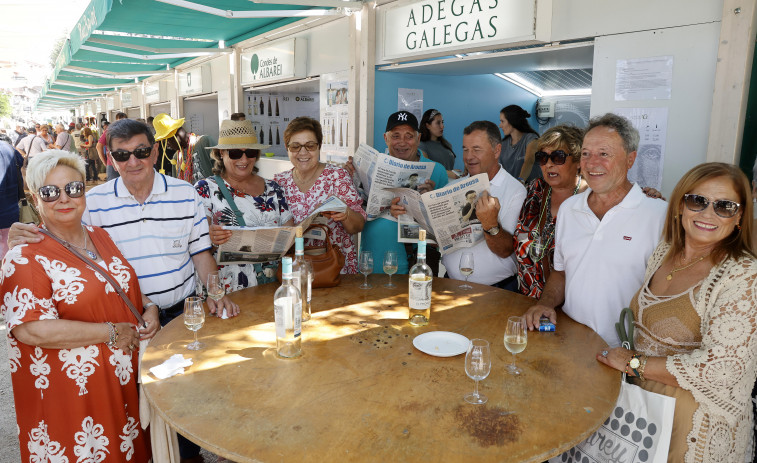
(696, 317)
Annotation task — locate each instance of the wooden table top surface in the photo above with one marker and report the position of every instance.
(362, 392)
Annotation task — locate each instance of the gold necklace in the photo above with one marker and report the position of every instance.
(670, 275)
(313, 176)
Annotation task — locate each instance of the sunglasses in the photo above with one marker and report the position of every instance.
(558, 157)
(237, 154)
(139, 153)
(296, 147)
(723, 207)
(50, 193)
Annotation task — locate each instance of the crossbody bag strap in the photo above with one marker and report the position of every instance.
(229, 199)
(102, 272)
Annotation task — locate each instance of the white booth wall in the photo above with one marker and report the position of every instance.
(201, 115)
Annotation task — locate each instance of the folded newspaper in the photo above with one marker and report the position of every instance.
(249, 245)
(449, 213)
(378, 171)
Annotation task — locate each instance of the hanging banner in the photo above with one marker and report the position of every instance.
(335, 96)
(444, 25)
(284, 60)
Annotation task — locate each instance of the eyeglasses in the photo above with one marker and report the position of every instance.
(558, 157)
(311, 146)
(50, 193)
(237, 154)
(723, 207)
(139, 153)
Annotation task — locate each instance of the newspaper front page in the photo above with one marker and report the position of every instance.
(378, 171)
(449, 213)
(249, 245)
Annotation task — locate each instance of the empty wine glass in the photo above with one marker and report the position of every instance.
(194, 318)
(478, 364)
(215, 287)
(390, 267)
(466, 268)
(365, 265)
(516, 337)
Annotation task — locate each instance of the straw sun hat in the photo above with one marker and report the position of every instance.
(166, 126)
(238, 135)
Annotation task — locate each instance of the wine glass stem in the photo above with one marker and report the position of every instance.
(512, 365)
(475, 389)
(390, 279)
(466, 279)
(195, 337)
(366, 279)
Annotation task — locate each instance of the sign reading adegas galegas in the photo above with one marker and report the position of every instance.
(429, 26)
(283, 60)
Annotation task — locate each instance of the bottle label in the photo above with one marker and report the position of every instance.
(281, 306)
(297, 319)
(420, 292)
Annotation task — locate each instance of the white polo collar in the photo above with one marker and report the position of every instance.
(159, 186)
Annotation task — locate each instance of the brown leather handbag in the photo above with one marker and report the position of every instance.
(327, 261)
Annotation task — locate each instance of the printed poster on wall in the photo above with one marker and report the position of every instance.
(644, 78)
(334, 102)
(410, 100)
(652, 124)
(270, 112)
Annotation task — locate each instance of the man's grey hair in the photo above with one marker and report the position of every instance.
(42, 164)
(621, 126)
(492, 132)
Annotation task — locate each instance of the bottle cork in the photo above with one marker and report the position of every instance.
(298, 232)
(422, 235)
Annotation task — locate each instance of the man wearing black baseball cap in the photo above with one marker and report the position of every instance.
(380, 235)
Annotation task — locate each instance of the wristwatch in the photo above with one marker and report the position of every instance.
(635, 363)
(492, 231)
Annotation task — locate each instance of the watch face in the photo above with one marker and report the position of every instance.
(493, 231)
(634, 363)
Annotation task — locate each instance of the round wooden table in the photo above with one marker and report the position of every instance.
(362, 392)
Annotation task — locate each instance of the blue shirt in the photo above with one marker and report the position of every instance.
(380, 235)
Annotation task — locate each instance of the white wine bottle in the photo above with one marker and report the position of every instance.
(300, 277)
(287, 311)
(420, 286)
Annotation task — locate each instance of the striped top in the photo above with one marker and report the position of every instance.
(159, 237)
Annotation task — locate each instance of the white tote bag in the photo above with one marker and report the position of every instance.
(638, 430)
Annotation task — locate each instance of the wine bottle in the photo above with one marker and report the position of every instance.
(420, 286)
(278, 137)
(262, 108)
(277, 106)
(287, 312)
(269, 106)
(270, 135)
(333, 132)
(262, 137)
(255, 105)
(300, 275)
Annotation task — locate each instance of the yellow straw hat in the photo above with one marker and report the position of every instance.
(238, 135)
(166, 126)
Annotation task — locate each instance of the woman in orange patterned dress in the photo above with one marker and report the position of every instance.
(73, 342)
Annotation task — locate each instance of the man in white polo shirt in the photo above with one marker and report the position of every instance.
(497, 210)
(604, 235)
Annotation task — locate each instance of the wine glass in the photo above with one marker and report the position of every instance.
(215, 287)
(516, 337)
(365, 265)
(466, 268)
(390, 267)
(478, 364)
(194, 318)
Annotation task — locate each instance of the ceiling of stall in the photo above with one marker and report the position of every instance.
(118, 43)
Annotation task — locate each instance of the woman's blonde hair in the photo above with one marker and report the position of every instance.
(565, 137)
(42, 164)
(739, 242)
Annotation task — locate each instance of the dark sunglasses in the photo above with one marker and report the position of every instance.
(558, 157)
(139, 153)
(723, 207)
(50, 193)
(237, 154)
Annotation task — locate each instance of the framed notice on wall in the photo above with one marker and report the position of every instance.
(334, 102)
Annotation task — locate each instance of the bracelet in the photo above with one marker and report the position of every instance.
(150, 304)
(642, 365)
(112, 334)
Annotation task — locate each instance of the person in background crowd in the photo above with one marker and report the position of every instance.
(62, 139)
(262, 202)
(310, 182)
(10, 161)
(497, 210)
(433, 143)
(76, 135)
(44, 133)
(75, 349)
(159, 224)
(518, 144)
(605, 234)
(559, 156)
(17, 135)
(696, 317)
(89, 153)
(238, 117)
(32, 144)
(102, 150)
(149, 124)
(172, 137)
(380, 235)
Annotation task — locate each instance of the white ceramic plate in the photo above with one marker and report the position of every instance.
(441, 343)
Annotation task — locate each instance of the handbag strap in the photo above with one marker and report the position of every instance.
(102, 272)
(624, 327)
(229, 199)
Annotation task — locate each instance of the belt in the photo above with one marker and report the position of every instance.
(176, 308)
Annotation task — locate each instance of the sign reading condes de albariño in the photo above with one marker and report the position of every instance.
(439, 25)
(283, 60)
